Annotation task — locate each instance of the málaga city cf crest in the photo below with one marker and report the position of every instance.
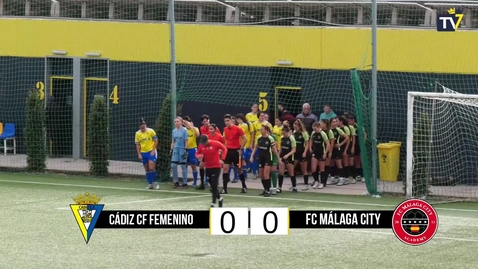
(86, 212)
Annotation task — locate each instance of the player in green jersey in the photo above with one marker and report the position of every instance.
(275, 164)
(287, 153)
(319, 146)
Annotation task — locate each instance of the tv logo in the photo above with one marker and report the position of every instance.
(449, 22)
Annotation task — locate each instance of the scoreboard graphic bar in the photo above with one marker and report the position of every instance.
(244, 221)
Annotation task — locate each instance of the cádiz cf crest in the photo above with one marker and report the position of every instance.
(86, 212)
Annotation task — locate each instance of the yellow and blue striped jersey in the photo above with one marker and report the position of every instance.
(146, 139)
(192, 138)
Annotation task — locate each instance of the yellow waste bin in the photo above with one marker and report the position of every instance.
(389, 160)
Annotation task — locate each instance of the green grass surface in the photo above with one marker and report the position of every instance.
(38, 230)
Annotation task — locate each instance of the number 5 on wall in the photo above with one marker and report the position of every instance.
(263, 104)
(114, 95)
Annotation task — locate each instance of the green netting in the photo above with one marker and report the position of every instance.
(362, 104)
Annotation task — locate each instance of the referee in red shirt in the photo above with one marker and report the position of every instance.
(208, 152)
(235, 141)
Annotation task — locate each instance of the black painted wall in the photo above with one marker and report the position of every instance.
(17, 76)
(142, 89)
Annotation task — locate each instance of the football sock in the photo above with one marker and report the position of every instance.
(350, 171)
(340, 172)
(174, 166)
(184, 170)
(281, 180)
(243, 180)
(154, 176)
(293, 180)
(236, 174)
(195, 177)
(230, 170)
(323, 178)
(333, 170)
(201, 175)
(148, 178)
(263, 183)
(244, 170)
(274, 179)
(225, 180)
(360, 171)
(268, 184)
(316, 176)
(255, 167)
(306, 179)
(327, 171)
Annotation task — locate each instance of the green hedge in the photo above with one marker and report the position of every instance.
(98, 137)
(35, 137)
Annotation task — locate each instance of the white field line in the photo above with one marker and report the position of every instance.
(148, 200)
(230, 195)
(385, 233)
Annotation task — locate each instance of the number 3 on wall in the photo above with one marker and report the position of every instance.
(114, 95)
(263, 104)
(40, 86)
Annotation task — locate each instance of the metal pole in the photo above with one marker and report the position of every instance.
(172, 43)
(374, 96)
(430, 145)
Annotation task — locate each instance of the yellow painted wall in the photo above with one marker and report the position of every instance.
(317, 48)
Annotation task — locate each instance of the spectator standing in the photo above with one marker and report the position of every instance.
(328, 114)
(307, 118)
(285, 115)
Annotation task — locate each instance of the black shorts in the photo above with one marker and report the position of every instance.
(233, 157)
(265, 160)
(319, 155)
(337, 153)
(357, 149)
(298, 156)
(289, 160)
(349, 152)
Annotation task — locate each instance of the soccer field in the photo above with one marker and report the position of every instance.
(38, 230)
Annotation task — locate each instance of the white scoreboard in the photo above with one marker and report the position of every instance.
(238, 221)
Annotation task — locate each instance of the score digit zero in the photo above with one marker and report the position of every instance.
(264, 222)
(233, 220)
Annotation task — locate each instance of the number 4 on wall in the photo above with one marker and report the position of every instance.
(114, 95)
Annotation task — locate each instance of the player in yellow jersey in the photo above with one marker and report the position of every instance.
(193, 134)
(146, 143)
(252, 116)
(257, 127)
(258, 124)
(249, 132)
(277, 131)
